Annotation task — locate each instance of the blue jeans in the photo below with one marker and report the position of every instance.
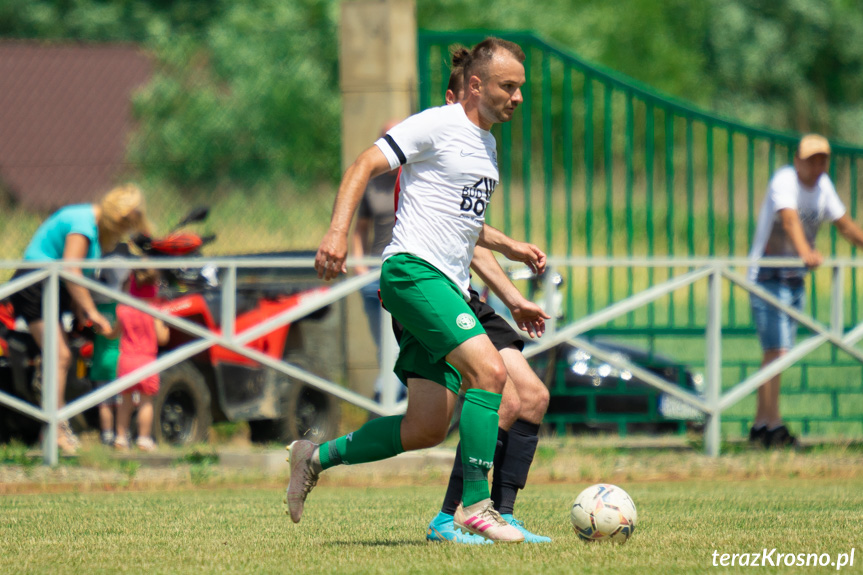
(776, 330)
(372, 306)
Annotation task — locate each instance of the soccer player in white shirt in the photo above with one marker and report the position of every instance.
(449, 173)
(525, 397)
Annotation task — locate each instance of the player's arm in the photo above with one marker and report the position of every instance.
(511, 249)
(333, 250)
(358, 241)
(792, 226)
(849, 230)
(528, 316)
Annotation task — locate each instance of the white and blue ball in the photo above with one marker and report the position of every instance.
(603, 512)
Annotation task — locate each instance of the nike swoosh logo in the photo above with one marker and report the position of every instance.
(463, 155)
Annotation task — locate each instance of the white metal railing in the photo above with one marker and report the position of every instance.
(714, 270)
(53, 272)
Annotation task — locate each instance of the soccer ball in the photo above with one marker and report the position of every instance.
(603, 512)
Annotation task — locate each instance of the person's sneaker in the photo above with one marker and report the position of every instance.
(121, 443)
(145, 443)
(303, 477)
(757, 434)
(779, 437)
(107, 438)
(481, 519)
(442, 530)
(528, 536)
(67, 441)
(66, 429)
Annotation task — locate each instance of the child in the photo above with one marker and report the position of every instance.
(140, 337)
(106, 351)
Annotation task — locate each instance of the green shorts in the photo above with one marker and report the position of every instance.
(106, 351)
(434, 313)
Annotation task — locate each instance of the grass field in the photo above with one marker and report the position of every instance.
(358, 522)
(381, 530)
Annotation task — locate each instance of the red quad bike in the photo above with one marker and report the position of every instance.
(219, 384)
(21, 373)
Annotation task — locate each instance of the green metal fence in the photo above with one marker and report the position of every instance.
(597, 164)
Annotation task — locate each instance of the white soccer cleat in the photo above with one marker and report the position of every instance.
(481, 519)
(303, 477)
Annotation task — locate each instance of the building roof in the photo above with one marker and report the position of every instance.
(65, 118)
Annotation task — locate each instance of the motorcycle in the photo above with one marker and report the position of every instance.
(214, 385)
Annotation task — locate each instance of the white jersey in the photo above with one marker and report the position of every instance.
(449, 173)
(814, 205)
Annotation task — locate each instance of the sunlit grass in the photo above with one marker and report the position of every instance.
(374, 530)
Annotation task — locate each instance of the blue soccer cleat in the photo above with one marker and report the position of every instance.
(442, 530)
(528, 536)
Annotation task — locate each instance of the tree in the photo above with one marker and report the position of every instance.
(254, 97)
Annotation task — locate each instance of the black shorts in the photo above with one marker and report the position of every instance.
(499, 331)
(28, 301)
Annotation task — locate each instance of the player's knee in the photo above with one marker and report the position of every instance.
(421, 433)
(534, 398)
(542, 397)
(510, 407)
(489, 375)
(495, 376)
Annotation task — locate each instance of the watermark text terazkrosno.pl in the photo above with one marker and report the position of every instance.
(775, 558)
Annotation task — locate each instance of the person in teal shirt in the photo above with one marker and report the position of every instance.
(77, 232)
(49, 242)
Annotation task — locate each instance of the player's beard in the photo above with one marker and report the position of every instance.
(506, 114)
(500, 114)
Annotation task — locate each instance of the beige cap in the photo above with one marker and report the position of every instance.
(812, 144)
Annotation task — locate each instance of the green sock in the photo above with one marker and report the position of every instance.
(478, 432)
(378, 439)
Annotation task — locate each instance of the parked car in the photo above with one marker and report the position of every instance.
(588, 393)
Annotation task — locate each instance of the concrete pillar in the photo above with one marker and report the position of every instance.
(378, 77)
(378, 69)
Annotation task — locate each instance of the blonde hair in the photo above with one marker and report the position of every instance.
(121, 213)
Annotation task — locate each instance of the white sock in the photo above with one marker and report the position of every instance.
(316, 461)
